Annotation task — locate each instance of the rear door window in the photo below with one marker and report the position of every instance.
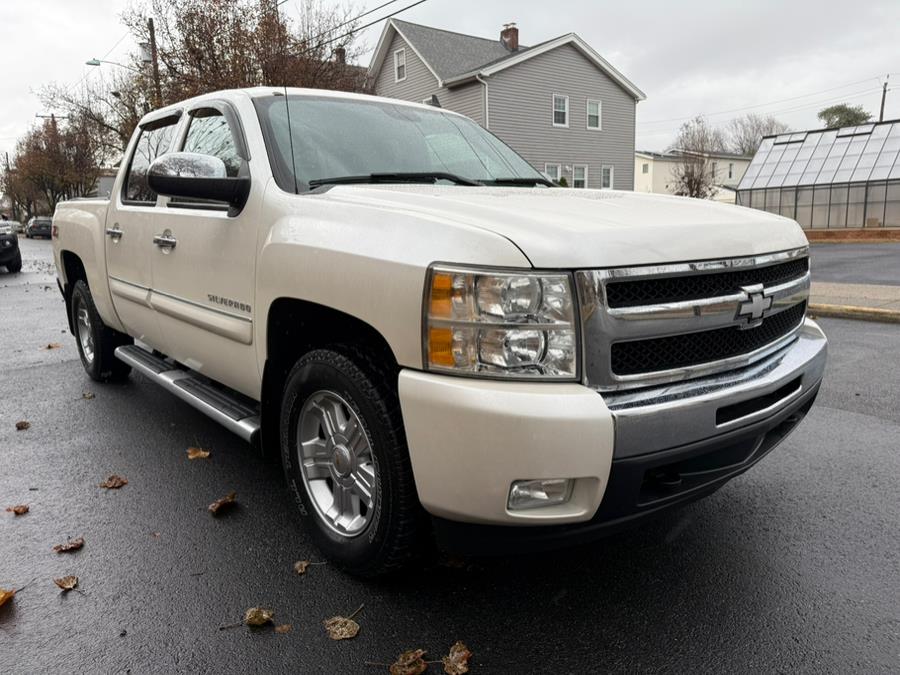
(155, 139)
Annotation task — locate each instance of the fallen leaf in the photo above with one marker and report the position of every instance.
(197, 453)
(88, 395)
(299, 566)
(114, 482)
(409, 662)
(18, 509)
(457, 661)
(155, 535)
(257, 616)
(66, 583)
(6, 596)
(283, 628)
(23, 425)
(341, 628)
(225, 501)
(53, 345)
(70, 546)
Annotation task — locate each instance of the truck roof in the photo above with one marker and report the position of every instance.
(260, 92)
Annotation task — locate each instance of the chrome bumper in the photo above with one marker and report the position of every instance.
(657, 418)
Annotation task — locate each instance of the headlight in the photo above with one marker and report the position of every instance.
(500, 324)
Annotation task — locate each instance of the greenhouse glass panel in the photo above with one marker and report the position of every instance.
(856, 206)
(892, 206)
(821, 197)
(788, 196)
(837, 216)
(804, 207)
(875, 205)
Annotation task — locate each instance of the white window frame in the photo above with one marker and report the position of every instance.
(398, 55)
(575, 167)
(731, 169)
(645, 168)
(553, 98)
(612, 176)
(558, 171)
(587, 114)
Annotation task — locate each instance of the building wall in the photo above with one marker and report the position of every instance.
(520, 111)
(660, 178)
(421, 84)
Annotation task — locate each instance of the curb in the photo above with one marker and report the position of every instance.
(858, 313)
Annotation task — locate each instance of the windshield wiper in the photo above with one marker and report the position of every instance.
(519, 181)
(409, 177)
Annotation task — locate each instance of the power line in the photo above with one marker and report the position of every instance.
(807, 106)
(360, 28)
(349, 21)
(761, 105)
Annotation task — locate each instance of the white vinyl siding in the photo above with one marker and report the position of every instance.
(607, 178)
(560, 110)
(594, 114)
(400, 65)
(579, 176)
(554, 171)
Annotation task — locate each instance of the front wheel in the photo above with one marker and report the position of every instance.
(346, 462)
(16, 265)
(96, 341)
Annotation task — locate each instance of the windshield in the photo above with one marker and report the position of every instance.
(335, 137)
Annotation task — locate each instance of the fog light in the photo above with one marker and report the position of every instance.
(533, 494)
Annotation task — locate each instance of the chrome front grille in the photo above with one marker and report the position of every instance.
(652, 325)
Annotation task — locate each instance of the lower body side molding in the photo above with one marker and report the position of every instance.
(227, 408)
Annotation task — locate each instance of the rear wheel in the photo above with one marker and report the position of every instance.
(96, 341)
(345, 458)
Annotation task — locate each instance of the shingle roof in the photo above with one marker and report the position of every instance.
(451, 54)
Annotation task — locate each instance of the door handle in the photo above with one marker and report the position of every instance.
(114, 232)
(165, 240)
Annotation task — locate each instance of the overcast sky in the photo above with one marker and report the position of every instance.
(721, 58)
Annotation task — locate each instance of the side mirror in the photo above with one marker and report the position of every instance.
(196, 176)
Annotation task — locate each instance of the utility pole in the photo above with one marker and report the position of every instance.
(883, 96)
(155, 61)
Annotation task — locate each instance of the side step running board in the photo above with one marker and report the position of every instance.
(226, 408)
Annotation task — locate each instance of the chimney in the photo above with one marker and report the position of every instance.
(509, 37)
(340, 55)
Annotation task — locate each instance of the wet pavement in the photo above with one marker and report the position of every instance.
(792, 567)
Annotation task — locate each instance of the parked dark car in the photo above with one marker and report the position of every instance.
(38, 227)
(10, 256)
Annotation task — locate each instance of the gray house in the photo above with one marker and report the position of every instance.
(559, 104)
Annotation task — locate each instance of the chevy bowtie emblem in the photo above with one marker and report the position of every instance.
(755, 307)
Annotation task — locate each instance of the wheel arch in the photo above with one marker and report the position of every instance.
(294, 327)
(73, 271)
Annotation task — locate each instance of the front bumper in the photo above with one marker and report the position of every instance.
(632, 454)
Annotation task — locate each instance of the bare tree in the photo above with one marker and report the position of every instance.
(207, 45)
(52, 164)
(745, 133)
(692, 174)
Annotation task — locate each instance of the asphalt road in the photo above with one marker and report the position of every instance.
(857, 263)
(792, 567)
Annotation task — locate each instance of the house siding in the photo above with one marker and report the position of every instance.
(421, 84)
(520, 113)
(419, 81)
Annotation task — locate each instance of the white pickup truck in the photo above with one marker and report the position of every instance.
(441, 345)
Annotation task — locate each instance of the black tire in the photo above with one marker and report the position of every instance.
(102, 365)
(16, 265)
(395, 535)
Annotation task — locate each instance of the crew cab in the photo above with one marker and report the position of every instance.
(438, 343)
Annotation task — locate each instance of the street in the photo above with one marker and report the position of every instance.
(793, 566)
(840, 263)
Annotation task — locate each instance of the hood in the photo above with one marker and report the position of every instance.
(569, 228)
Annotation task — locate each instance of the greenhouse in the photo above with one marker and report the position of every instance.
(830, 178)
